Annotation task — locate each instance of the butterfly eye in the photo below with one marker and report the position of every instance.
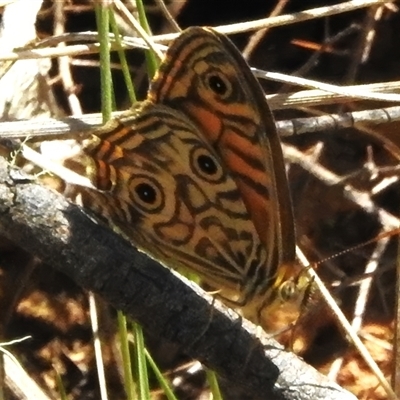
(147, 194)
(219, 84)
(206, 165)
(288, 291)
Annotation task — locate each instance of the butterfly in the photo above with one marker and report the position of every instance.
(195, 175)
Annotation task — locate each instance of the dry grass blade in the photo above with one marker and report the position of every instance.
(18, 379)
(348, 92)
(396, 339)
(309, 98)
(136, 25)
(297, 126)
(288, 19)
(348, 328)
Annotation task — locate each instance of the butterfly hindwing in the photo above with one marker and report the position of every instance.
(168, 191)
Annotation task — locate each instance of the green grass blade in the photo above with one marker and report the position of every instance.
(151, 60)
(103, 22)
(141, 365)
(161, 379)
(126, 357)
(213, 382)
(122, 58)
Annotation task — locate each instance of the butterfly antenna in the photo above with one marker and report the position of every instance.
(383, 235)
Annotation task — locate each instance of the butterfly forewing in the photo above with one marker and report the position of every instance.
(205, 76)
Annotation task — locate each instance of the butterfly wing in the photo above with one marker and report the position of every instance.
(205, 76)
(161, 183)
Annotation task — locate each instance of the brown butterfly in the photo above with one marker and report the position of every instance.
(195, 175)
